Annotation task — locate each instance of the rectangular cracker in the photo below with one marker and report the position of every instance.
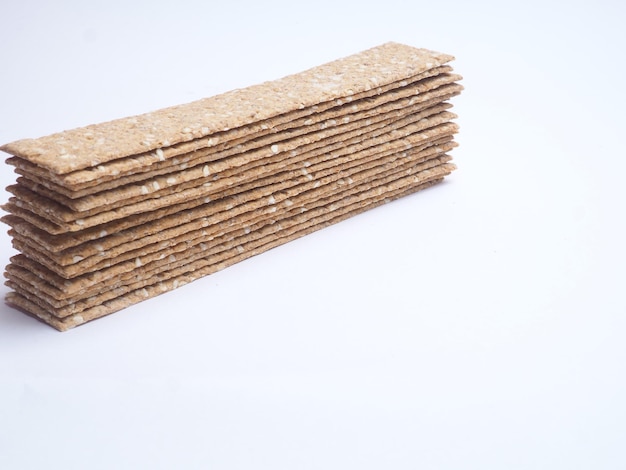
(37, 294)
(117, 267)
(139, 167)
(245, 163)
(24, 305)
(93, 145)
(93, 256)
(49, 210)
(162, 247)
(196, 167)
(238, 254)
(205, 214)
(216, 246)
(70, 247)
(89, 254)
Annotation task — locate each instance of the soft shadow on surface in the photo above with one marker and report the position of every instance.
(14, 323)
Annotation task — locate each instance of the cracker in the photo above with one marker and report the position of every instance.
(198, 167)
(97, 144)
(24, 305)
(223, 223)
(137, 167)
(235, 255)
(66, 222)
(244, 165)
(122, 227)
(90, 256)
(98, 296)
(70, 246)
(335, 192)
(201, 213)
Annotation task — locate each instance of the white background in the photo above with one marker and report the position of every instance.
(477, 325)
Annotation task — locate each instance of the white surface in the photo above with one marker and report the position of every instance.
(477, 325)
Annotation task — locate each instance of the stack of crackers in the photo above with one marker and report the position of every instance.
(111, 214)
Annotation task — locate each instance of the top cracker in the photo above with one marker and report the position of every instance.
(95, 144)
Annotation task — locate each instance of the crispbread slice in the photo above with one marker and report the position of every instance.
(95, 256)
(239, 253)
(93, 145)
(20, 303)
(78, 244)
(325, 183)
(332, 130)
(119, 236)
(239, 175)
(137, 168)
(159, 246)
(35, 293)
(50, 210)
(182, 253)
(245, 165)
(218, 249)
(113, 230)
